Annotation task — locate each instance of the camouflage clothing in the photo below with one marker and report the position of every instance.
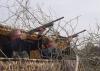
(50, 53)
(21, 54)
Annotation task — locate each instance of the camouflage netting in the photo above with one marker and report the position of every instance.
(36, 65)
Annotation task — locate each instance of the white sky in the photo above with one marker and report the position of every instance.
(88, 9)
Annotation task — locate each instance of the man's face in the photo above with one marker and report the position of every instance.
(52, 44)
(16, 34)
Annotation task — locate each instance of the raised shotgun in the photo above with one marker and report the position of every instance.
(44, 26)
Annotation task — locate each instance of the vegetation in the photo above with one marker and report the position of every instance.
(89, 44)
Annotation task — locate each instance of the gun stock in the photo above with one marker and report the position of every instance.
(45, 26)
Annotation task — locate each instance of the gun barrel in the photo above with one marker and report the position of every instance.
(74, 35)
(81, 31)
(56, 20)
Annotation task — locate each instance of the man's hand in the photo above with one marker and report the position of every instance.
(41, 30)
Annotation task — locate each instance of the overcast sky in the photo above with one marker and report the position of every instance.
(88, 9)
